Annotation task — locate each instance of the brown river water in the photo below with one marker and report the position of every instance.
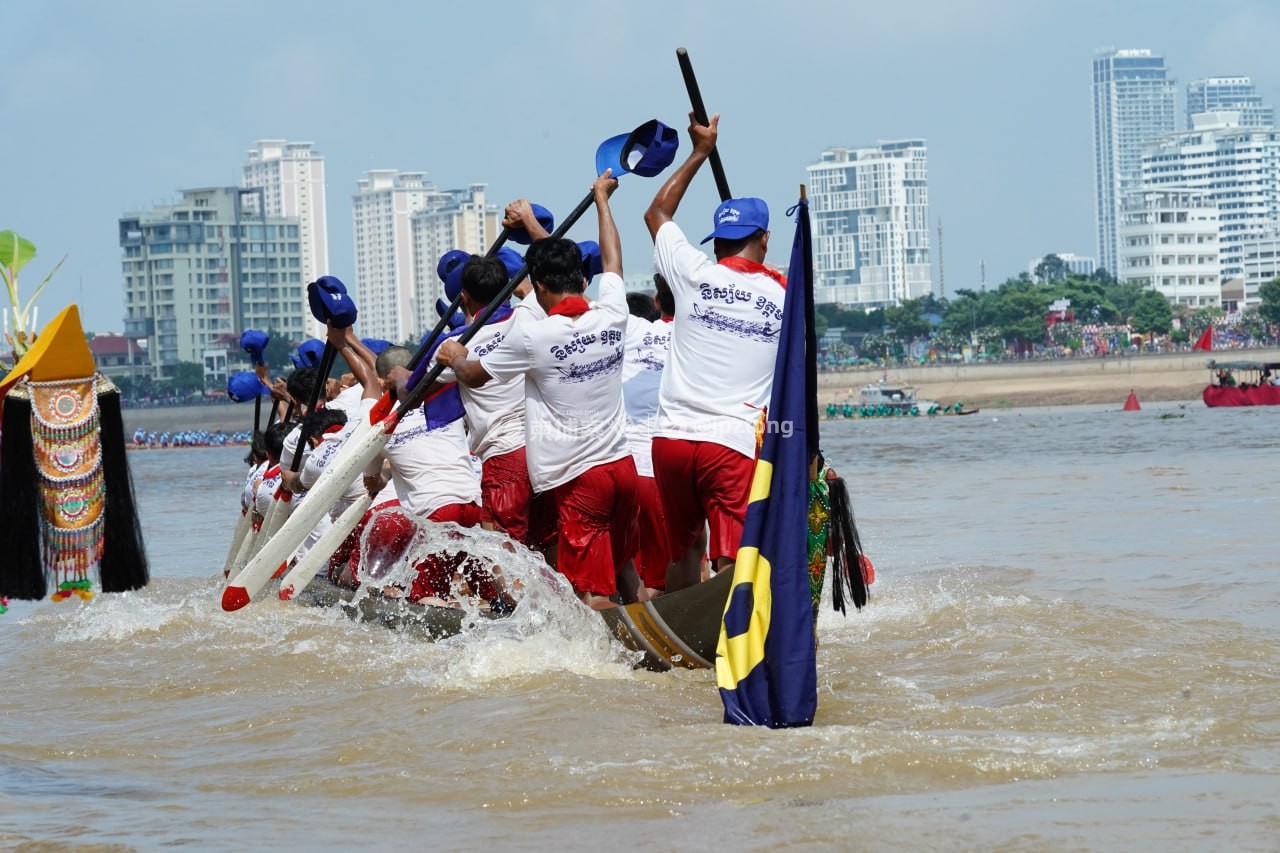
(1072, 644)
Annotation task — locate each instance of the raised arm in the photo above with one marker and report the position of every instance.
(663, 207)
(519, 214)
(610, 244)
(359, 358)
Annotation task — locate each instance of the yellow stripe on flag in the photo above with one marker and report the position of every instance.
(736, 656)
(761, 479)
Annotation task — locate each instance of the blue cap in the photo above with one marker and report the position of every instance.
(245, 385)
(375, 345)
(592, 262)
(511, 259)
(450, 261)
(646, 151)
(309, 352)
(738, 218)
(545, 219)
(458, 318)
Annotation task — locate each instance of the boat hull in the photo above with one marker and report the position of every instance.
(676, 630)
(1216, 396)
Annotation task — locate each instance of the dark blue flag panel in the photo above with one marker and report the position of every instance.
(766, 660)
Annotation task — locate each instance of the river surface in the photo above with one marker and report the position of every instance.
(1072, 644)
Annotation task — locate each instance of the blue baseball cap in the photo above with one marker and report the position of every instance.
(592, 262)
(646, 151)
(511, 259)
(245, 385)
(545, 219)
(376, 345)
(309, 352)
(738, 218)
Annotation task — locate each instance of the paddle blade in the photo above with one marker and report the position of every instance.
(360, 448)
(318, 557)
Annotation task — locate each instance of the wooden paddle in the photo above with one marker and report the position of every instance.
(361, 447)
(700, 113)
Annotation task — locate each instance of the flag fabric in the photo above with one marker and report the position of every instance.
(766, 658)
(1206, 341)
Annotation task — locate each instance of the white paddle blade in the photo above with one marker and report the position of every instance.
(243, 528)
(315, 559)
(277, 512)
(360, 448)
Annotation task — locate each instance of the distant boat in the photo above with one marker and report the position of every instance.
(888, 400)
(1242, 383)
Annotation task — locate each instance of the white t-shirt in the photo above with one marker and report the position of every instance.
(723, 346)
(266, 489)
(249, 491)
(642, 365)
(494, 411)
(574, 419)
(430, 468)
(348, 400)
(330, 443)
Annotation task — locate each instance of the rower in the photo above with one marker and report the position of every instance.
(648, 337)
(719, 372)
(575, 424)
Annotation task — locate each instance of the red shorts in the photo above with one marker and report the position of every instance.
(436, 571)
(506, 493)
(702, 482)
(348, 553)
(654, 553)
(597, 513)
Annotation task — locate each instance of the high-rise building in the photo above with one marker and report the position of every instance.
(1133, 105)
(201, 271)
(1237, 167)
(1219, 94)
(1259, 263)
(871, 224)
(453, 219)
(1169, 242)
(291, 176)
(403, 224)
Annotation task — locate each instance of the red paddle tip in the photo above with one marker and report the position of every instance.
(287, 593)
(234, 597)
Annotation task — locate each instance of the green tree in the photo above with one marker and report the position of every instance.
(187, 377)
(1051, 270)
(1269, 310)
(277, 351)
(1152, 313)
(907, 320)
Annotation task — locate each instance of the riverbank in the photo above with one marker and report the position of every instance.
(1153, 377)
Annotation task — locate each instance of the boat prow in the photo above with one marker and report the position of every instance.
(676, 630)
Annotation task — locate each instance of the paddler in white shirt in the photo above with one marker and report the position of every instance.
(648, 337)
(575, 423)
(719, 371)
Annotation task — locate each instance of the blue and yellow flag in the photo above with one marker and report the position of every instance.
(766, 660)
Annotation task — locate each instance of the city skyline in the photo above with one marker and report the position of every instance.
(996, 90)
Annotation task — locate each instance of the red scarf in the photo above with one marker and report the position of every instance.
(570, 306)
(742, 265)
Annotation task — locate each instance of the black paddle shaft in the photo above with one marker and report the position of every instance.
(415, 395)
(431, 339)
(700, 113)
(326, 365)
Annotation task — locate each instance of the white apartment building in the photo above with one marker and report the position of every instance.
(1259, 261)
(454, 219)
(1169, 242)
(1216, 94)
(871, 224)
(386, 275)
(201, 271)
(1133, 105)
(1239, 168)
(291, 177)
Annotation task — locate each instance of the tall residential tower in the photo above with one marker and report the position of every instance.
(1133, 106)
(291, 176)
(871, 224)
(1236, 94)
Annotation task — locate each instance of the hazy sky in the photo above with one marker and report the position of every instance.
(115, 107)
